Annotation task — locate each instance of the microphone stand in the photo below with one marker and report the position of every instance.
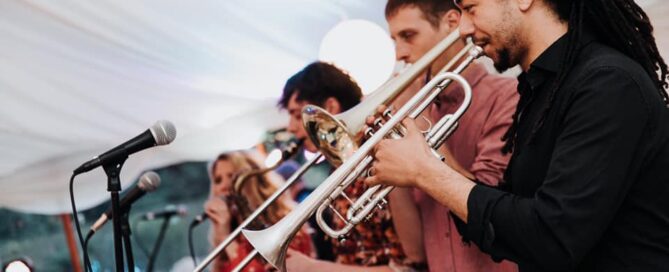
(125, 231)
(113, 171)
(159, 241)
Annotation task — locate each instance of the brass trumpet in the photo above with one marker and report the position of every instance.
(339, 145)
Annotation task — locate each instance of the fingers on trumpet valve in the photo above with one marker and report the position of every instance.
(374, 122)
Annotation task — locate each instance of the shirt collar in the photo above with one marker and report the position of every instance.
(549, 62)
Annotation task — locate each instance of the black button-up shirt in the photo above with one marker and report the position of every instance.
(590, 191)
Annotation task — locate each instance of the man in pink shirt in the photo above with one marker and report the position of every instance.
(474, 148)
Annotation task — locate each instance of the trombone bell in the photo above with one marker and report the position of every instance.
(328, 134)
(269, 245)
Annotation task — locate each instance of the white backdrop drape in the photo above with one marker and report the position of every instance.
(80, 77)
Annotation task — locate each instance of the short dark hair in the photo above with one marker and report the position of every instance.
(319, 81)
(432, 9)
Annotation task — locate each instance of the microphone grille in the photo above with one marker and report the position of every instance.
(149, 181)
(163, 132)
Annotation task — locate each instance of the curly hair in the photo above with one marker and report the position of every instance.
(319, 81)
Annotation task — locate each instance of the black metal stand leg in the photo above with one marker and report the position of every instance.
(114, 187)
(125, 230)
(159, 241)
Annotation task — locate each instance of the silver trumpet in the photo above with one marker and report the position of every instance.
(272, 242)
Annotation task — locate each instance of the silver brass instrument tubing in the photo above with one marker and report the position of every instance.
(337, 136)
(435, 139)
(365, 204)
(245, 261)
(273, 242)
(212, 255)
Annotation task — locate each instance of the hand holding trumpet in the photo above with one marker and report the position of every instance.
(400, 162)
(410, 162)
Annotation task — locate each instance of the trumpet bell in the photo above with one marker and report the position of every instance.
(329, 134)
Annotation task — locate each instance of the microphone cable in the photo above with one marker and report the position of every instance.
(191, 249)
(85, 250)
(87, 262)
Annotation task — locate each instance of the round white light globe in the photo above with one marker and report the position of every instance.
(361, 48)
(17, 266)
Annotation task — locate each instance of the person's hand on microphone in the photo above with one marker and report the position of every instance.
(220, 217)
(219, 214)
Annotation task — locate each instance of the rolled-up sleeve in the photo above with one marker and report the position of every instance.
(489, 163)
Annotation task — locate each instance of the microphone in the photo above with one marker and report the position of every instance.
(161, 133)
(204, 216)
(147, 183)
(199, 219)
(169, 211)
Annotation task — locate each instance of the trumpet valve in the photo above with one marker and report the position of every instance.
(369, 132)
(378, 122)
(388, 113)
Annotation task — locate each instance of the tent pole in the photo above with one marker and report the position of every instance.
(71, 244)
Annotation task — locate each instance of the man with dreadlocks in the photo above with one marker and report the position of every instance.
(586, 187)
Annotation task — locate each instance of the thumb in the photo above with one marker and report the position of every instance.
(371, 181)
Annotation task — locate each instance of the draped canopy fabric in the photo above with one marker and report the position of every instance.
(80, 77)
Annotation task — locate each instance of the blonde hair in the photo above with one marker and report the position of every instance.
(257, 188)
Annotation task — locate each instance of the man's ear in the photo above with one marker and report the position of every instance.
(451, 19)
(332, 105)
(524, 5)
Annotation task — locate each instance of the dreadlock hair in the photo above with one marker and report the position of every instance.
(432, 10)
(620, 24)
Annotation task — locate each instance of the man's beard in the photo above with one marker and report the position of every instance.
(503, 61)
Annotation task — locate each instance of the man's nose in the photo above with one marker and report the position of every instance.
(401, 53)
(466, 26)
(292, 126)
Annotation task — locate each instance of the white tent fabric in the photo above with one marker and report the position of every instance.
(80, 77)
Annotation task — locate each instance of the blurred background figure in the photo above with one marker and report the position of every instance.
(230, 203)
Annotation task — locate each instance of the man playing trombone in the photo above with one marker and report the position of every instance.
(371, 244)
(586, 186)
(416, 26)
